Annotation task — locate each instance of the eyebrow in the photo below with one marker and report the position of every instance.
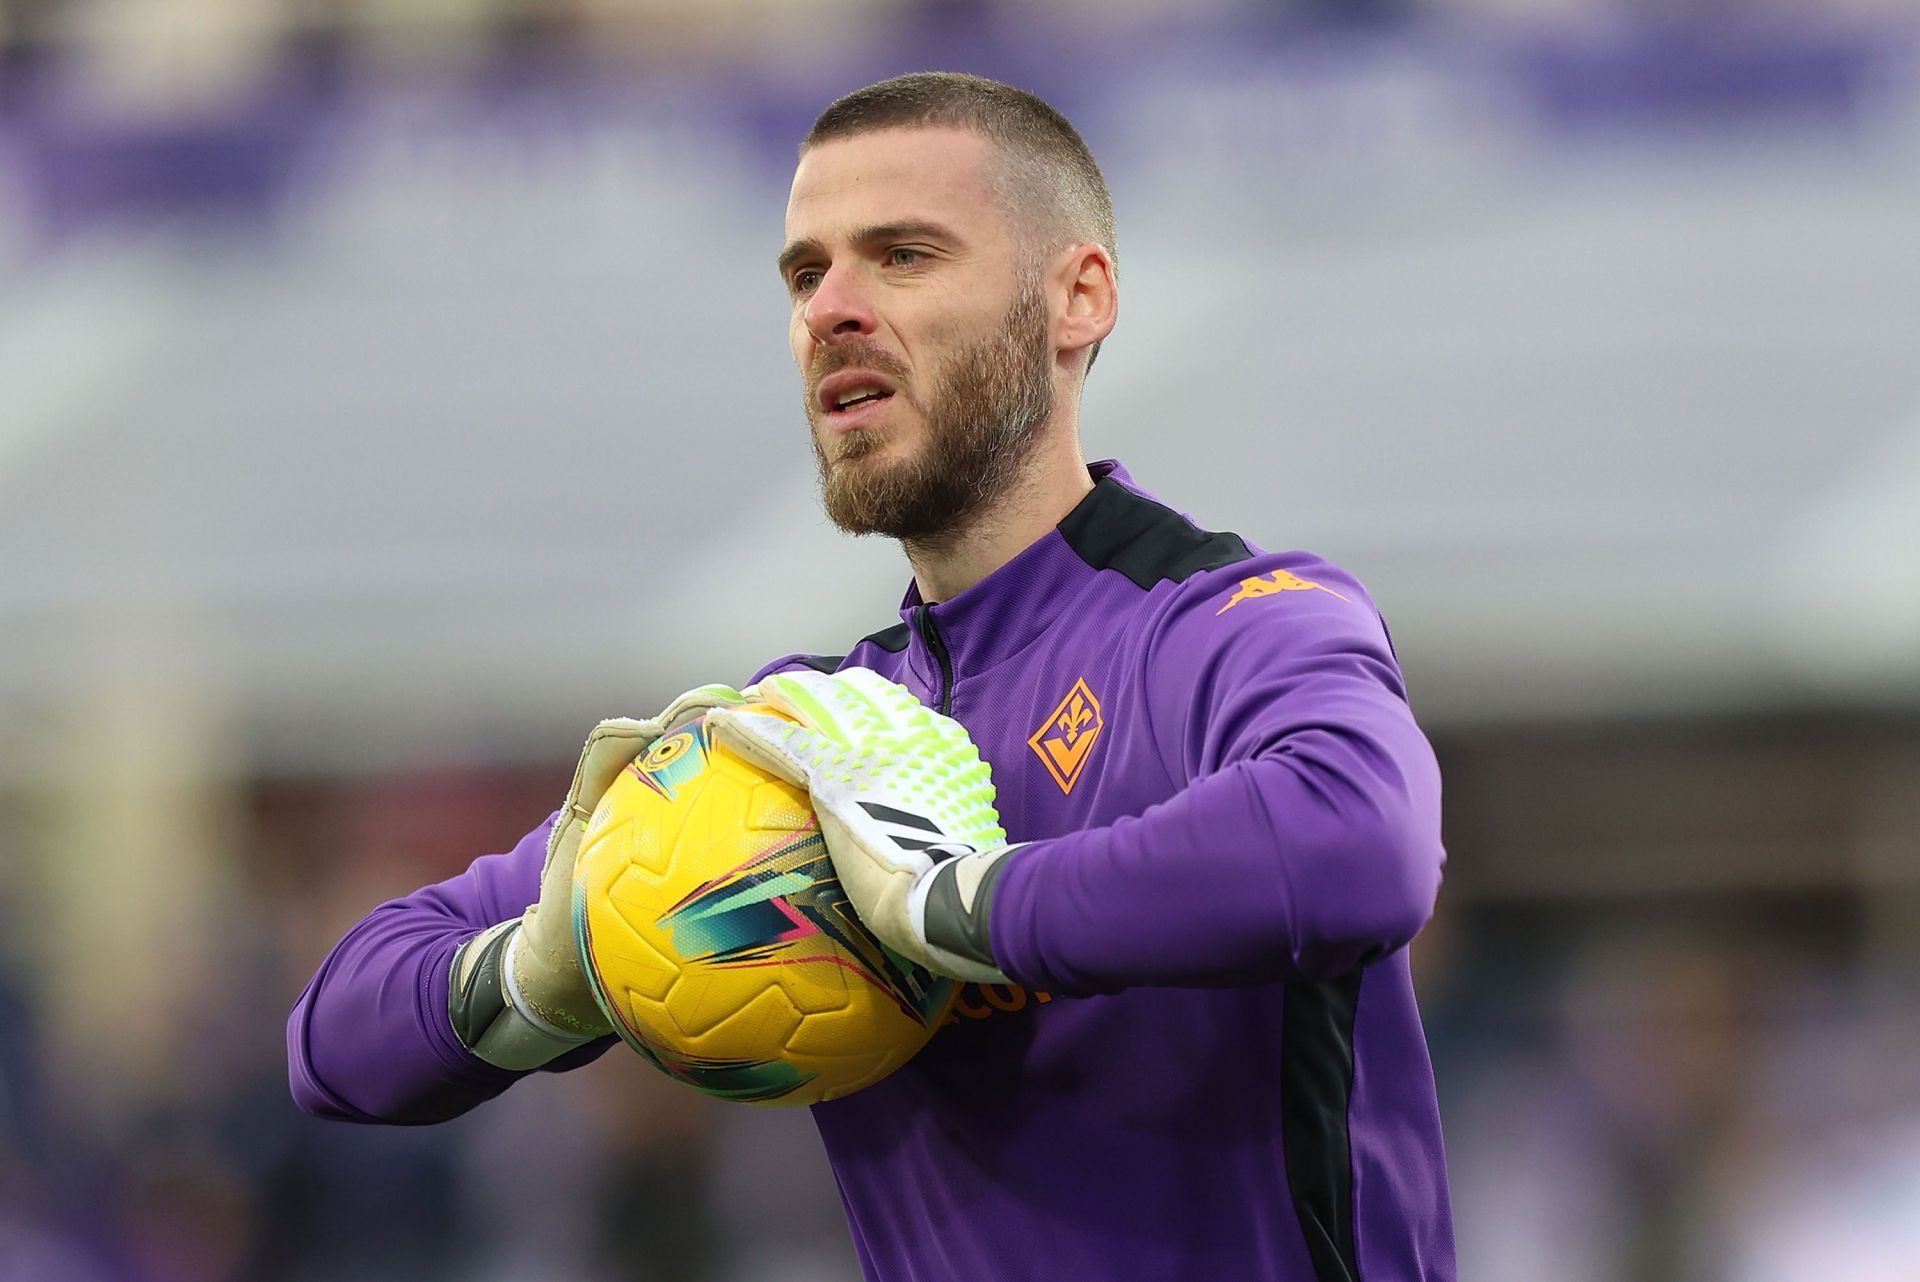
(911, 229)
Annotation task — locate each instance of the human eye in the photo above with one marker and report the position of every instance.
(806, 280)
(904, 256)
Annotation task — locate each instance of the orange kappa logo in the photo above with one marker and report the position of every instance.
(1065, 739)
(1268, 584)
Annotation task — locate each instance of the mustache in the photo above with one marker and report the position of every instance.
(832, 359)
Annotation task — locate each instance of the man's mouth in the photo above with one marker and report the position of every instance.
(850, 396)
(851, 401)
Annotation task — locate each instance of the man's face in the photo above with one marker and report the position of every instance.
(923, 339)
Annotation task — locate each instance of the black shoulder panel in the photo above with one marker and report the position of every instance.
(893, 640)
(1115, 529)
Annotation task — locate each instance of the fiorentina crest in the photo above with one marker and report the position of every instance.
(1065, 740)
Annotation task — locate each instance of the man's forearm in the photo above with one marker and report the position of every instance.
(371, 1039)
(1266, 870)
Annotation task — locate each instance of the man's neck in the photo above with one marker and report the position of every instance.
(1039, 500)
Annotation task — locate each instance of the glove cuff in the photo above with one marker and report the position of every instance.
(488, 1016)
(950, 911)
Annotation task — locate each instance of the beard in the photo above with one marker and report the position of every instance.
(983, 416)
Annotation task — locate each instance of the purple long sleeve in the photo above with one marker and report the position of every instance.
(370, 1040)
(1306, 838)
(1210, 1063)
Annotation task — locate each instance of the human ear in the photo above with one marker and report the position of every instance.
(1085, 276)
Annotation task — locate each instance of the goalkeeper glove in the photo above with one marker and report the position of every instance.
(517, 995)
(905, 804)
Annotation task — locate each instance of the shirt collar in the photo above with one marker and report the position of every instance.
(998, 616)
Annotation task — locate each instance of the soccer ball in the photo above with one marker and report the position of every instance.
(718, 940)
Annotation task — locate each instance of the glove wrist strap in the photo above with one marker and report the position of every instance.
(489, 1016)
(950, 911)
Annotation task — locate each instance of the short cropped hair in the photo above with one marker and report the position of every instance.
(1050, 185)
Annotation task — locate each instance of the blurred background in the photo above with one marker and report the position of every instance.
(389, 389)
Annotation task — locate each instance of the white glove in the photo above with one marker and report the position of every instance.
(517, 995)
(905, 804)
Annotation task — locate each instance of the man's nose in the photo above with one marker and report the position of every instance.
(839, 308)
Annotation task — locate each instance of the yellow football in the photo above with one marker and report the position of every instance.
(720, 944)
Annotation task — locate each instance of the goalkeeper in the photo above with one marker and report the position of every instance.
(1222, 820)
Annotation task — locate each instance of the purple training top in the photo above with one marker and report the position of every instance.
(1210, 1063)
